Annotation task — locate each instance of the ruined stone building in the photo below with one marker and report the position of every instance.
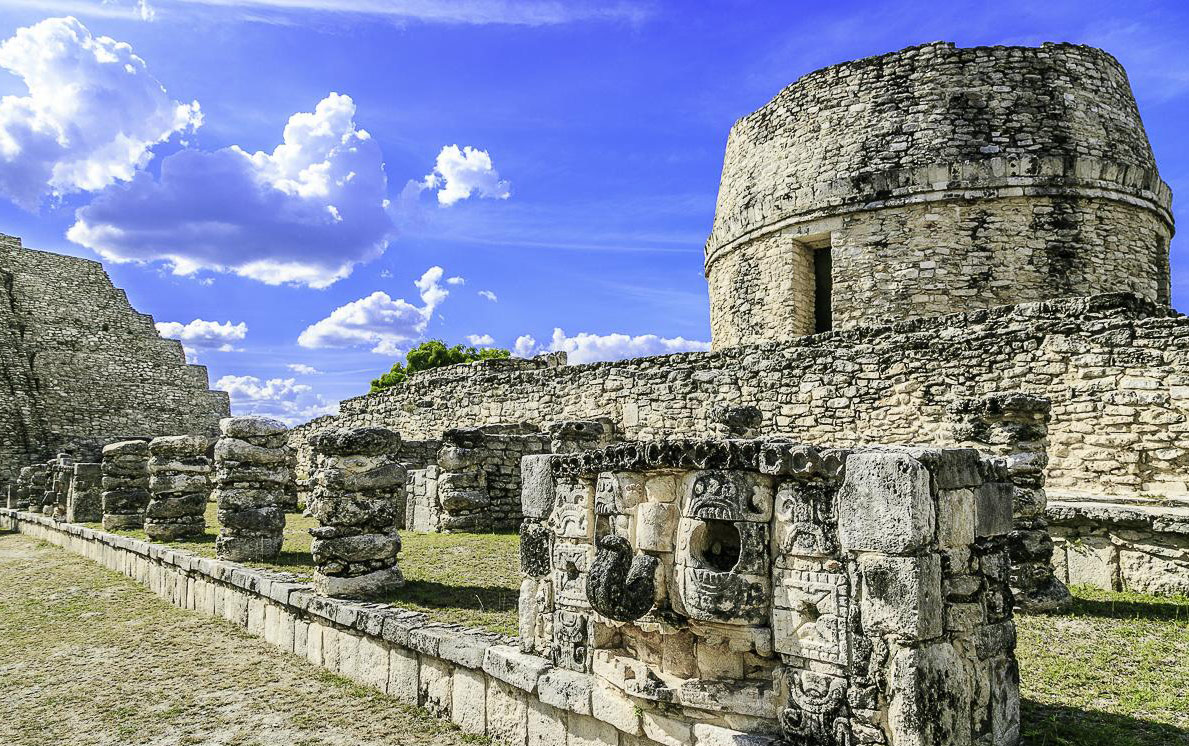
(80, 367)
(895, 236)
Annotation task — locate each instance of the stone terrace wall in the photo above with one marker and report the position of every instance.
(23, 437)
(1113, 366)
(100, 370)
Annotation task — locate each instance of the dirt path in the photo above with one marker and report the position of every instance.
(90, 657)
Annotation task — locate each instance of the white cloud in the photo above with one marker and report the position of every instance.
(305, 214)
(91, 115)
(459, 173)
(525, 346)
(199, 335)
(146, 11)
(283, 398)
(481, 340)
(456, 280)
(489, 295)
(378, 319)
(590, 348)
(303, 369)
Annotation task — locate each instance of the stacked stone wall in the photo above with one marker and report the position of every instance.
(943, 179)
(1114, 368)
(84, 367)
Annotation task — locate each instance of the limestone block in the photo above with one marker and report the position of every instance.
(587, 731)
(404, 681)
(902, 596)
(536, 486)
(727, 496)
(810, 615)
(956, 510)
(507, 714)
(1143, 572)
(706, 734)
(929, 697)
(546, 725)
(371, 664)
(993, 509)
(612, 706)
(1092, 561)
(885, 504)
(666, 731)
(468, 701)
(656, 527)
(250, 427)
(509, 665)
(436, 687)
(566, 690)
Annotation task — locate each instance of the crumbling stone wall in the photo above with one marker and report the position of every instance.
(833, 597)
(80, 365)
(941, 179)
(1113, 367)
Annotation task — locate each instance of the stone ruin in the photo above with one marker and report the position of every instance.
(830, 597)
(359, 499)
(253, 481)
(125, 484)
(474, 482)
(179, 479)
(84, 504)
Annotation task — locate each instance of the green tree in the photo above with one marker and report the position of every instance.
(434, 354)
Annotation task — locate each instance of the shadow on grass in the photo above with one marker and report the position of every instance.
(1056, 725)
(1127, 606)
(435, 595)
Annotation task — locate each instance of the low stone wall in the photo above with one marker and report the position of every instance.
(479, 680)
(1139, 545)
(1114, 368)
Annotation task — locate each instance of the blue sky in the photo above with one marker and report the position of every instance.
(558, 161)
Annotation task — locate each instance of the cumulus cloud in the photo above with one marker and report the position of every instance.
(456, 280)
(378, 319)
(489, 295)
(590, 348)
(305, 214)
(202, 334)
(458, 174)
(90, 117)
(303, 369)
(481, 340)
(282, 398)
(526, 346)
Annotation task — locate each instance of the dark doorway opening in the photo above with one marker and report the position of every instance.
(823, 286)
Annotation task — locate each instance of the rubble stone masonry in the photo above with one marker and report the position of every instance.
(82, 368)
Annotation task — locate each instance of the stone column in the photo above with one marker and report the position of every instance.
(179, 479)
(125, 484)
(462, 484)
(358, 497)
(84, 504)
(44, 498)
(1015, 427)
(252, 477)
(24, 484)
(62, 470)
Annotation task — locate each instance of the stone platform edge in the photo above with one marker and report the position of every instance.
(479, 680)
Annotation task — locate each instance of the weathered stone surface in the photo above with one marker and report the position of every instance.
(252, 426)
(621, 585)
(369, 585)
(885, 504)
(536, 484)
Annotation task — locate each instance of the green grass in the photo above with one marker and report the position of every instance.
(1112, 671)
(470, 579)
(91, 658)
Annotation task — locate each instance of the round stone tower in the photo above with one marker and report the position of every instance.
(935, 180)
